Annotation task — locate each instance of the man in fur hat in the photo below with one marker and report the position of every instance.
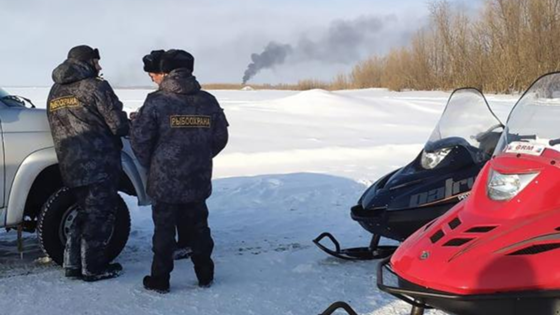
(152, 65)
(175, 134)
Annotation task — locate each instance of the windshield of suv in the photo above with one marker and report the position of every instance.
(536, 116)
(466, 120)
(12, 100)
(3, 93)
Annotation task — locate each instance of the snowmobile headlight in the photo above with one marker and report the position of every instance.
(431, 159)
(502, 187)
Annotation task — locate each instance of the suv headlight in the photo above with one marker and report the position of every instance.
(502, 187)
(432, 159)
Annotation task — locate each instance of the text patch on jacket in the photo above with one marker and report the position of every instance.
(63, 102)
(190, 121)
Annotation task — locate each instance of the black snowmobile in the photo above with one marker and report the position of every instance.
(438, 178)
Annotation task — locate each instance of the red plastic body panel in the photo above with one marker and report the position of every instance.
(484, 263)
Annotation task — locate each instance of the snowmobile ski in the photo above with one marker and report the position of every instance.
(374, 251)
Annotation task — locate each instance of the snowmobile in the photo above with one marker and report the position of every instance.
(497, 252)
(439, 177)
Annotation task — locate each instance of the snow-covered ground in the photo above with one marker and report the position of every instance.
(296, 162)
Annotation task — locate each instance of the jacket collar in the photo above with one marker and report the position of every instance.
(180, 81)
(71, 71)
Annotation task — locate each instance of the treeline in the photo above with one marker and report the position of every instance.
(301, 85)
(502, 48)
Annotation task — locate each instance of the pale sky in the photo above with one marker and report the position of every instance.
(325, 37)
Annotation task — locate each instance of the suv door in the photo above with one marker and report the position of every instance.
(2, 167)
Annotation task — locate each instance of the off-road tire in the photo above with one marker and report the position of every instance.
(52, 214)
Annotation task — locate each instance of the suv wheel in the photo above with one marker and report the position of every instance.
(57, 215)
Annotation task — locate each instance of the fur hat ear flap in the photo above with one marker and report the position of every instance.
(176, 59)
(152, 61)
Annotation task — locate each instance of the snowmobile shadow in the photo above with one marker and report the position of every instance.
(12, 263)
(255, 215)
(300, 206)
(280, 212)
(295, 191)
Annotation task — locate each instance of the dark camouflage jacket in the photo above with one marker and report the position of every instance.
(87, 121)
(176, 133)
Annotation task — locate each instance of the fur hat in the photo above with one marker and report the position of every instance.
(175, 59)
(83, 53)
(152, 61)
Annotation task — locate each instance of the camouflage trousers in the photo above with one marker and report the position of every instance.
(193, 218)
(183, 235)
(92, 227)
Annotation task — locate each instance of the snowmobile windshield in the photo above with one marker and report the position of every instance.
(535, 118)
(466, 120)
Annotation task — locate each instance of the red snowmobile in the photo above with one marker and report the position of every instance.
(497, 252)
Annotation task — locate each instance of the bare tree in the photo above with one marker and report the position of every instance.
(503, 50)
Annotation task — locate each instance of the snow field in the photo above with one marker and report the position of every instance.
(295, 164)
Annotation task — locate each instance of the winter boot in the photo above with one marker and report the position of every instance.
(205, 274)
(158, 285)
(111, 271)
(73, 273)
(182, 253)
(206, 283)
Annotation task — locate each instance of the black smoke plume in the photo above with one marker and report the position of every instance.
(344, 42)
(272, 55)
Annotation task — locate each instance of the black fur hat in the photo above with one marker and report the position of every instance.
(83, 53)
(175, 59)
(152, 62)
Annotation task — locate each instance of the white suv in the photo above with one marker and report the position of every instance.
(32, 196)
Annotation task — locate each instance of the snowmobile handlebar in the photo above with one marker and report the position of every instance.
(481, 136)
(517, 137)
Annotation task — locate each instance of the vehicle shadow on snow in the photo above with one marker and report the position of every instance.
(14, 264)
